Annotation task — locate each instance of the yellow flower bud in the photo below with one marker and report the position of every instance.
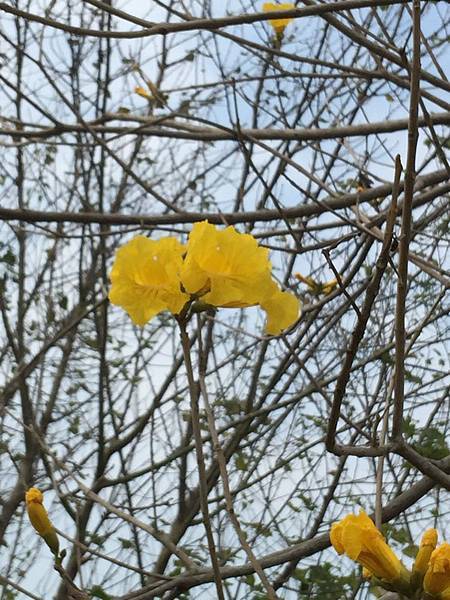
(309, 281)
(140, 91)
(39, 519)
(316, 287)
(427, 545)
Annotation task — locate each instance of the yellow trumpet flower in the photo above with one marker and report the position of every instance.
(279, 25)
(146, 278)
(437, 577)
(39, 519)
(282, 310)
(229, 269)
(360, 540)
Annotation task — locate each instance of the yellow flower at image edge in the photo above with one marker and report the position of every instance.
(360, 540)
(39, 518)
(437, 577)
(146, 278)
(279, 25)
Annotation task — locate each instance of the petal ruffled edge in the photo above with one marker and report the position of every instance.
(282, 310)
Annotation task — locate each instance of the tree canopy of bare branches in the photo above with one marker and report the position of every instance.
(203, 458)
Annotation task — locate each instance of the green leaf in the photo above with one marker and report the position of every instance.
(432, 443)
(413, 378)
(62, 301)
(410, 550)
(97, 539)
(126, 544)
(9, 258)
(240, 462)
(97, 591)
(74, 426)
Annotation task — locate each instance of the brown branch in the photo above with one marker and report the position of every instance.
(222, 463)
(197, 24)
(304, 210)
(202, 475)
(10, 583)
(296, 552)
(359, 330)
(183, 130)
(362, 40)
(410, 177)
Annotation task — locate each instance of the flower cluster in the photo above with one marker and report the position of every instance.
(219, 267)
(360, 540)
(39, 519)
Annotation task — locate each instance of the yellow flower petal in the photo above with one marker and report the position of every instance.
(282, 309)
(279, 25)
(227, 268)
(357, 536)
(39, 518)
(336, 537)
(437, 577)
(146, 278)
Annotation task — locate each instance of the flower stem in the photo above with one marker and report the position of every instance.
(203, 485)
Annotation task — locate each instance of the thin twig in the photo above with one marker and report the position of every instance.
(410, 177)
(162, 537)
(383, 434)
(8, 582)
(203, 485)
(224, 475)
(358, 333)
